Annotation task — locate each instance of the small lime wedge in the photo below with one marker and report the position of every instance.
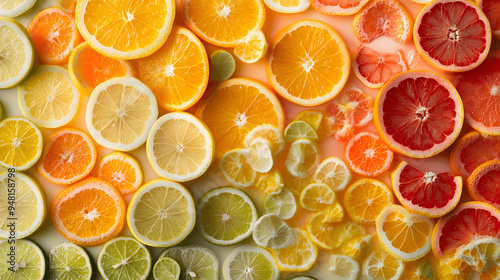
(196, 262)
(222, 66)
(22, 260)
(166, 269)
(69, 261)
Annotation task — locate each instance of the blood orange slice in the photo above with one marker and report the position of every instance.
(484, 183)
(367, 155)
(426, 193)
(374, 68)
(480, 88)
(469, 221)
(472, 150)
(418, 113)
(491, 9)
(338, 7)
(452, 35)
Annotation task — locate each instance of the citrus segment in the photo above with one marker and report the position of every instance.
(365, 199)
(491, 273)
(222, 66)
(338, 7)
(272, 232)
(269, 133)
(123, 171)
(484, 183)
(300, 256)
(316, 197)
(454, 269)
(333, 172)
(380, 265)
(26, 252)
(253, 47)
(287, 6)
(70, 262)
(14, 8)
(282, 204)
(196, 262)
(490, 9)
(345, 267)
(250, 263)
(166, 269)
(303, 157)
(236, 168)
(367, 154)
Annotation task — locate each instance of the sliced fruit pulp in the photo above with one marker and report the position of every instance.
(485, 181)
(377, 68)
(472, 150)
(491, 9)
(407, 233)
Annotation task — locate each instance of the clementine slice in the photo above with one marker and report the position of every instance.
(89, 213)
(338, 7)
(491, 9)
(484, 183)
(366, 154)
(122, 171)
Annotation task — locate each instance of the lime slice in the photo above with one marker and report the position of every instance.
(249, 263)
(196, 262)
(26, 212)
(282, 204)
(260, 156)
(14, 8)
(226, 216)
(302, 277)
(25, 262)
(222, 66)
(344, 267)
(299, 129)
(69, 262)
(17, 55)
(124, 258)
(161, 213)
(166, 269)
(272, 232)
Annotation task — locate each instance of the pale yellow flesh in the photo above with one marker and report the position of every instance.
(12, 52)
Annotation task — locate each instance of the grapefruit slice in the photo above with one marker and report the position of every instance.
(491, 9)
(484, 183)
(426, 193)
(480, 88)
(338, 7)
(452, 35)
(418, 113)
(468, 222)
(374, 69)
(472, 150)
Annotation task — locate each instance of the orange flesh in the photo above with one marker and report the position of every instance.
(369, 154)
(95, 68)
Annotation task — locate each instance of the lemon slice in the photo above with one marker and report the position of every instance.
(69, 261)
(344, 267)
(180, 147)
(29, 261)
(21, 143)
(157, 206)
(382, 265)
(27, 211)
(313, 117)
(166, 269)
(282, 204)
(299, 129)
(14, 8)
(316, 197)
(17, 55)
(272, 232)
(124, 258)
(236, 168)
(196, 262)
(48, 97)
(270, 133)
(270, 182)
(300, 256)
(250, 263)
(120, 113)
(260, 155)
(253, 47)
(333, 172)
(303, 157)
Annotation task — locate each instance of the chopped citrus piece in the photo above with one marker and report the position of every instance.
(287, 6)
(14, 8)
(270, 182)
(166, 268)
(70, 262)
(332, 235)
(303, 157)
(312, 117)
(270, 133)
(333, 172)
(68, 6)
(253, 47)
(480, 253)
(316, 197)
(357, 247)
(419, 270)
(490, 9)
(296, 184)
(236, 168)
(367, 154)
(338, 7)
(282, 204)
(222, 66)
(334, 213)
(380, 265)
(299, 129)
(260, 156)
(298, 257)
(28, 258)
(366, 198)
(249, 262)
(196, 262)
(343, 266)
(123, 171)
(272, 232)
(451, 268)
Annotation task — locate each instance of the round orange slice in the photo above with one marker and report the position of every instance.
(89, 213)
(452, 35)
(366, 154)
(338, 7)
(122, 171)
(484, 183)
(306, 71)
(418, 113)
(68, 156)
(491, 9)
(287, 7)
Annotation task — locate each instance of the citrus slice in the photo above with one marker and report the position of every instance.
(269, 133)
(329, 235)
(338, 7)
(120, 113)
(374, 68)
(222, 66)
(88, 68)
(180, 147)
(270, 182)
(299, 129)
(14, 8)
(483, 184)
(357, 247)
(491, 273)
(22, 203)
(307, 73)
(226, 216)
(454, 269)
(18, 51)
(344, 267)
(452, 35)
(250, 263)
(300, 256)
(48, 97)
(303, 157)
(68, 6)
(166, 269)
(123, 171)
(296, 184)
(125, 30)
(333, 213)
(177, 73)
(333, 172)
(411, 122)
(196, 262)
(479, 88)
(68, 157)
(469, 152)
(383, 18)
(70, 262)
(236, 106)
(253, 47)
(260, 156)
(480, 253)
(367, 154)
(124, 257)
(463, 225)
(21, 143)
(287, 6)
(159, 205)
(282, 204)
(29, 260)
(272, 232)
(223, 23)
(89, 212)
(426, 193)
(365, 199)
(490, 9)
(419, 270)
(55, 35)
(380, 265)
(314, 118)
(236, 168)
(316, 197)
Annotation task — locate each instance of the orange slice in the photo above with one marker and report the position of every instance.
(454, 269)
(491, 9)
(122, 171)
(253, 47)
(374, 69)
(235, 107)
(55, 35)
(418, 113)
(300, 256)
(287, 6)
(365, 199)
(68, 156)
(89, 213)
(452, 35)
(366, 154)
(304, 70)
(383, 18)
(484, 183)
(224, 23)
(177, 73)
(338, 7)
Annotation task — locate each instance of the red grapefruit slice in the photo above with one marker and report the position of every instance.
(484, 183)
(426, 193)
(374, 69)
(338, 7)
(479, 89)
(469, 221)
(452, 35)
(491, 9)
(418, 113)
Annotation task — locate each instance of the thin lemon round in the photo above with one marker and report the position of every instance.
(299, 129)
(25, 252)
(382, 265)
(196, 262)
(333, 172)
(14, 8)
(316, 197)
(344, 267)
(236, 168)
(303, 158)
(300, 256)
(249, 262)
(282, 204)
